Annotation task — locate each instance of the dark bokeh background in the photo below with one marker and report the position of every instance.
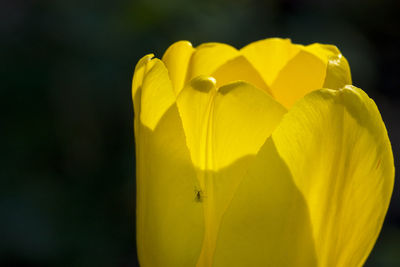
(67, 152)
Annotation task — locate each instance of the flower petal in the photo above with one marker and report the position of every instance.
(170, 222)
(225, 125)
(208, 57)
(303, 73)
(338, 73)
(141, 69)
(313, 67)
(239, 69)
(338, 70)
(177, 59)
(267, 222)
(269, 56)
(223, 128)
(337, 149)
(157, 94)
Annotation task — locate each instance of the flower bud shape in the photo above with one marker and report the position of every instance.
(263, 156)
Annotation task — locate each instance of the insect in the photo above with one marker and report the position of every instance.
(199, 195)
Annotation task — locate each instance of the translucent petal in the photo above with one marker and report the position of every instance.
(313, 67)
(267, 222)
(337, 149)
(170, 222)
(239, 69)
(269, 56)
(177, 59)
(338, 70)
(157, 94)
(225, 125)
(141, 69)
(223, 128)
(302, 74)
(208, 57)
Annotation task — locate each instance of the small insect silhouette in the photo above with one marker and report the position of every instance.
(199, 195)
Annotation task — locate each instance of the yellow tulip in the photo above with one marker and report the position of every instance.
(263, 156)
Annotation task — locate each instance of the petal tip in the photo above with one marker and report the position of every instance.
(231, 86)
(177, 46)
(182, 43)
(203, 83)
(352, 90)
(185, 43)
(143, 61)
(148, 57)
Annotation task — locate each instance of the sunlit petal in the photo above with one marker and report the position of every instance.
(337, 149)
(226, 124)
(170, 222)
(269, 56)
(157, 94)
(141, 69)
(309, 68)
(267, 222)
(239, 69)
(177, 59)
(225, 128)
(302, 74)
(208, 57)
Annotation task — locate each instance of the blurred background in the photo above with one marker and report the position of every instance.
(67, 182)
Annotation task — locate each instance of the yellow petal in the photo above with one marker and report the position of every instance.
(157, 94)
(269, 56)
(337, 149)
(225, 125)
(170, 221)
(208, 57)
(338, 70)
(239, 69)
(267, 222)
(176, 59)
(313, 67)
(222, 128)
(302, 74)
(141, 69)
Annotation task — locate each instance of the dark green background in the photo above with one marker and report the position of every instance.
(67, 187)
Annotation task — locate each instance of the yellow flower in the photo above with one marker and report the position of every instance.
(243, 160)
